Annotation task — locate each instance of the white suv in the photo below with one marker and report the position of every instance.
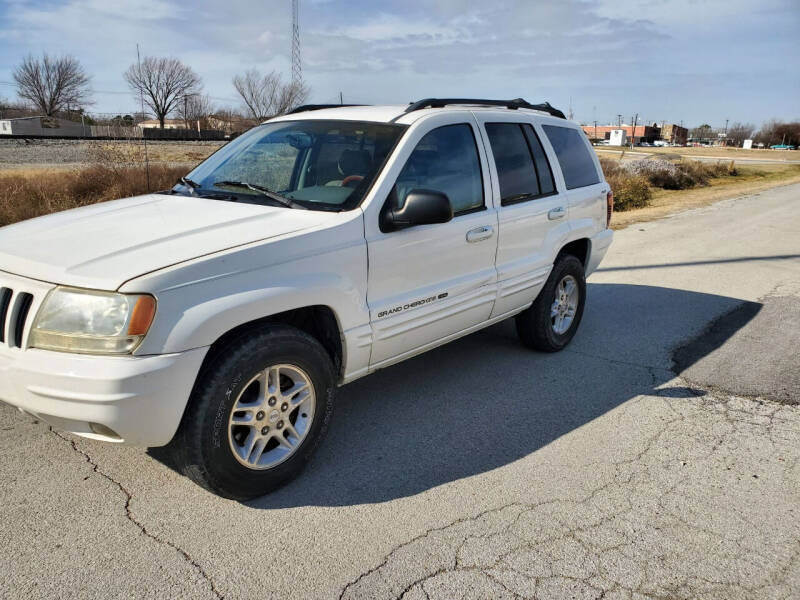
(220, 316)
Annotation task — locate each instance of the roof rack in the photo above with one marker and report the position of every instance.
(512, 104)
(307, 107)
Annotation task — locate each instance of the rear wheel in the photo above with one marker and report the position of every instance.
(257, 413)
(551, 322)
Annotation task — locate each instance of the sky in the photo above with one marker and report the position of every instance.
(690, 61)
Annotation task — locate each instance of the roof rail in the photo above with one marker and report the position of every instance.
(512, 104)
(307, 107)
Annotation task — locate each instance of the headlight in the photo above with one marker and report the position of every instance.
(84, 321)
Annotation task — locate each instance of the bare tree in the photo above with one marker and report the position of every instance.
(266, 96)
(52, 83)
(778, 132)
(195, 107)
(739, 132)
(162, 82)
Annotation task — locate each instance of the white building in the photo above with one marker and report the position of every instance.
(617, 137)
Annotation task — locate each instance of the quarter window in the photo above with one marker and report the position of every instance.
(573, 155)
(543, 170)
(445, 160)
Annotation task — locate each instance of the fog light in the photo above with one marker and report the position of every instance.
(100, 429)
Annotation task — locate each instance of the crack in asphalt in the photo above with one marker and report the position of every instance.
(608, 542)
(141, 526)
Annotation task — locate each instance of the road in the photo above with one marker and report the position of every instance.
(484, 470)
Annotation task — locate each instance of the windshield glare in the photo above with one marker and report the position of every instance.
(319, 164)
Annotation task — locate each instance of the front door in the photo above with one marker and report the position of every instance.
(431, 282)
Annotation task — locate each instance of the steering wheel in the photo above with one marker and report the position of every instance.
(350, 178)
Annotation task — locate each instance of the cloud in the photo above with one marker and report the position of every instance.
(685, 60)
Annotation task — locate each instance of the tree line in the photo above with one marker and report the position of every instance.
(771, 133)
(58, 85)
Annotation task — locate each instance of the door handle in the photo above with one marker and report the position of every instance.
(557, 213)
(480, 233)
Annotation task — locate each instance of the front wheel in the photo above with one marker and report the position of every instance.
(551, 322)
(257, 413)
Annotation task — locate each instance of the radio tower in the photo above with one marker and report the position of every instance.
(297, 69)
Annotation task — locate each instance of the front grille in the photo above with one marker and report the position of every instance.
(23, 306)
(14, 311)
(5, 302)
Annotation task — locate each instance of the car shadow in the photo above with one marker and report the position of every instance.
(484, 401)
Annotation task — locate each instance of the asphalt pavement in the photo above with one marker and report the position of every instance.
(481, 469)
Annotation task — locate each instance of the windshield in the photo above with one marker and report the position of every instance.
(328, 165)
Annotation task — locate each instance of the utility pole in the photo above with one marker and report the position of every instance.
(633, 133)
(595, 129)
(144, 137)
(297, 69)
(341, 98)
(619, 121)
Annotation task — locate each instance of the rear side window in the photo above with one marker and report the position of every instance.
(573, 156)
(445, 160)
(515, 168)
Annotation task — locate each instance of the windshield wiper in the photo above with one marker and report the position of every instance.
(283, 201)
(192, 185)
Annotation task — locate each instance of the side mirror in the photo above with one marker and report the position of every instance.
(421, 207)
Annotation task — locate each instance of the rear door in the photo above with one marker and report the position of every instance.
(585, 187)
(532, 210)
(431, 282)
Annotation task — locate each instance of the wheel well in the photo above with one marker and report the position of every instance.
(317, 321)
(579, 249)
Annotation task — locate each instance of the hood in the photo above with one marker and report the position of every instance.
(104, 245)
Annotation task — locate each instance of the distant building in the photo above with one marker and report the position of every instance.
(43, 126)
(674, 134)
(643, 133)
(229, 124)
(617, 137)
(168, 124)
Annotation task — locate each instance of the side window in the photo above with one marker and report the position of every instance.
(445, 160)
(573, 156)
(515, 168)
(543, 170)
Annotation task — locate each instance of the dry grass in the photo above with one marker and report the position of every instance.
(633, 182)
(28, 193)
(750, 180)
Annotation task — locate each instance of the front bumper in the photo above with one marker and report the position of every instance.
(140, 399)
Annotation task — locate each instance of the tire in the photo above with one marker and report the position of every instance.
(212, 450)
(536, 326)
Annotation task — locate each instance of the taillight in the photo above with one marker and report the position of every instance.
(609, 207)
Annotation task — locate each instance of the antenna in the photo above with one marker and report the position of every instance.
(297, 69)
(144, 137)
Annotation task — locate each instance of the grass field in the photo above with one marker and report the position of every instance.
(721, 152)
(751, 179)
